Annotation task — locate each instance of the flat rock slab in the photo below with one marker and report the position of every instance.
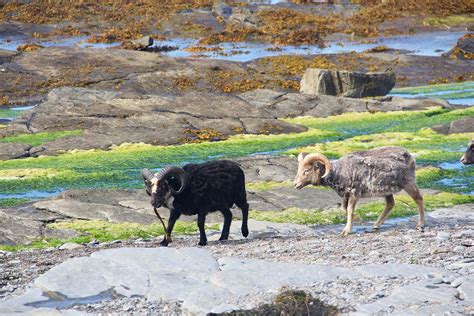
(13, 150)
(91, 211)
(204, 284)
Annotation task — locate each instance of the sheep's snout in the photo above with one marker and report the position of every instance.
(298, 185)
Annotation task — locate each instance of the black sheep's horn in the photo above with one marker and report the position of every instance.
(179, 174)
(147, 174)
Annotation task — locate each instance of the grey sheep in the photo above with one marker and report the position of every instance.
(377, 172)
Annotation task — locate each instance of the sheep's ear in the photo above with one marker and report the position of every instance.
(301, 156)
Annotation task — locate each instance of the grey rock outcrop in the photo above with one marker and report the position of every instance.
(13, 150)
(346, 83)
(464, 125)
(204, 283)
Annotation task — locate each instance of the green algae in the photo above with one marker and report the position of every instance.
(39, 138)
(455, 95)
(103, 231)
(296, 215)
(11, 202)
(397, 121)
(267, 185)
(334, 136)
(425, 144)
(404, 206)
(428, 175)
(120, 166)
(8, 113)
(462, 86)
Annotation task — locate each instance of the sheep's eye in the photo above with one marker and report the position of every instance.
(305, 171)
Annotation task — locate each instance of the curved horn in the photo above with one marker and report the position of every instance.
(312, 158)
(147, 174)
(176, 172)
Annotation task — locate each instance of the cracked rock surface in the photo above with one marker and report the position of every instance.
(107, 118)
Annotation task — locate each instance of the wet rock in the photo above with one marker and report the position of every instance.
(13, 150)
(345, 83)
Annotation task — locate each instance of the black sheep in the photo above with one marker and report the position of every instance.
(198, 189)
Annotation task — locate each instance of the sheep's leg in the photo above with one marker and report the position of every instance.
(344, 202)
(414, 192)
(390, 203)
(202, 232)
(171, 221)
(351, 204)
(245, 218)
(227, 221)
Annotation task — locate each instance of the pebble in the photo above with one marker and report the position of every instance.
(70, 246)
(448, 279)
(443, 235)
(458, 281)
(459, 249)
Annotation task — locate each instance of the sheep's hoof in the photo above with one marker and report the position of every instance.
(345, 232)
(164, 243)
(420, 228)
(376, 227)
(202, 242)
(245, 232)
(223, 238)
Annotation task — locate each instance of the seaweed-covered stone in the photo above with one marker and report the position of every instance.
(464, 48)
(346, 83)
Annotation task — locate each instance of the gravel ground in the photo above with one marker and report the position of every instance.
(441, 245)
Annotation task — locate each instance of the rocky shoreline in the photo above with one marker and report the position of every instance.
(77, 233)
(442, 257)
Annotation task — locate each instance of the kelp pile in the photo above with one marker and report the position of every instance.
(367, 21)
(122, 20)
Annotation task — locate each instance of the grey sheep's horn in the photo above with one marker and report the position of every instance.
(176, 172)
(147, 174)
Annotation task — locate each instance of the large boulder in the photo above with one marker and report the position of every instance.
(346, 83)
